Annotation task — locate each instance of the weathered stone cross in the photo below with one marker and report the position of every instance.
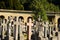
(16, 29)
(20, 29)
(30, 24)
(45, 29)
(9, 28)
(50, 25)
(3, 27)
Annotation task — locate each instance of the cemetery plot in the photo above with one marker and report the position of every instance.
(14, 28)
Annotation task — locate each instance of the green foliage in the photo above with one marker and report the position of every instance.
(2, 4)
(37, 6)
(18, 5)
(51, 7)
(11, 4)
(41, 7)
(23, 1)
(48, 5)
(55, 2)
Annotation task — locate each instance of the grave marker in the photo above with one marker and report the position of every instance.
(16, 30)
(30, 24)
(45, 30)
(4, 29)
(21, 29)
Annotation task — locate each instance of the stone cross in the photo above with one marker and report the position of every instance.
(38, 23)
(45, 29)
(30, 24)
(41, 32)
(16, 30)
(20, 29)
(3, 27)
(9, 28)
(50, 29)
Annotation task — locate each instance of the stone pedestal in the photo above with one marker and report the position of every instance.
(54, 38)
(45, 38)
(58, 35)
(11, 38)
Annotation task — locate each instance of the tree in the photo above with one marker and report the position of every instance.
(48, 5)
(38, 7)
(22, 1)
(2, 5)
(41, 7)
(55, 2)
(9, 4)
(17, 5)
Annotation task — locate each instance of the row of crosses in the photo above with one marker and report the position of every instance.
(14, 30)
(44, 29)
(11, 29)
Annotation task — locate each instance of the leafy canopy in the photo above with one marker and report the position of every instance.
(41, 7)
